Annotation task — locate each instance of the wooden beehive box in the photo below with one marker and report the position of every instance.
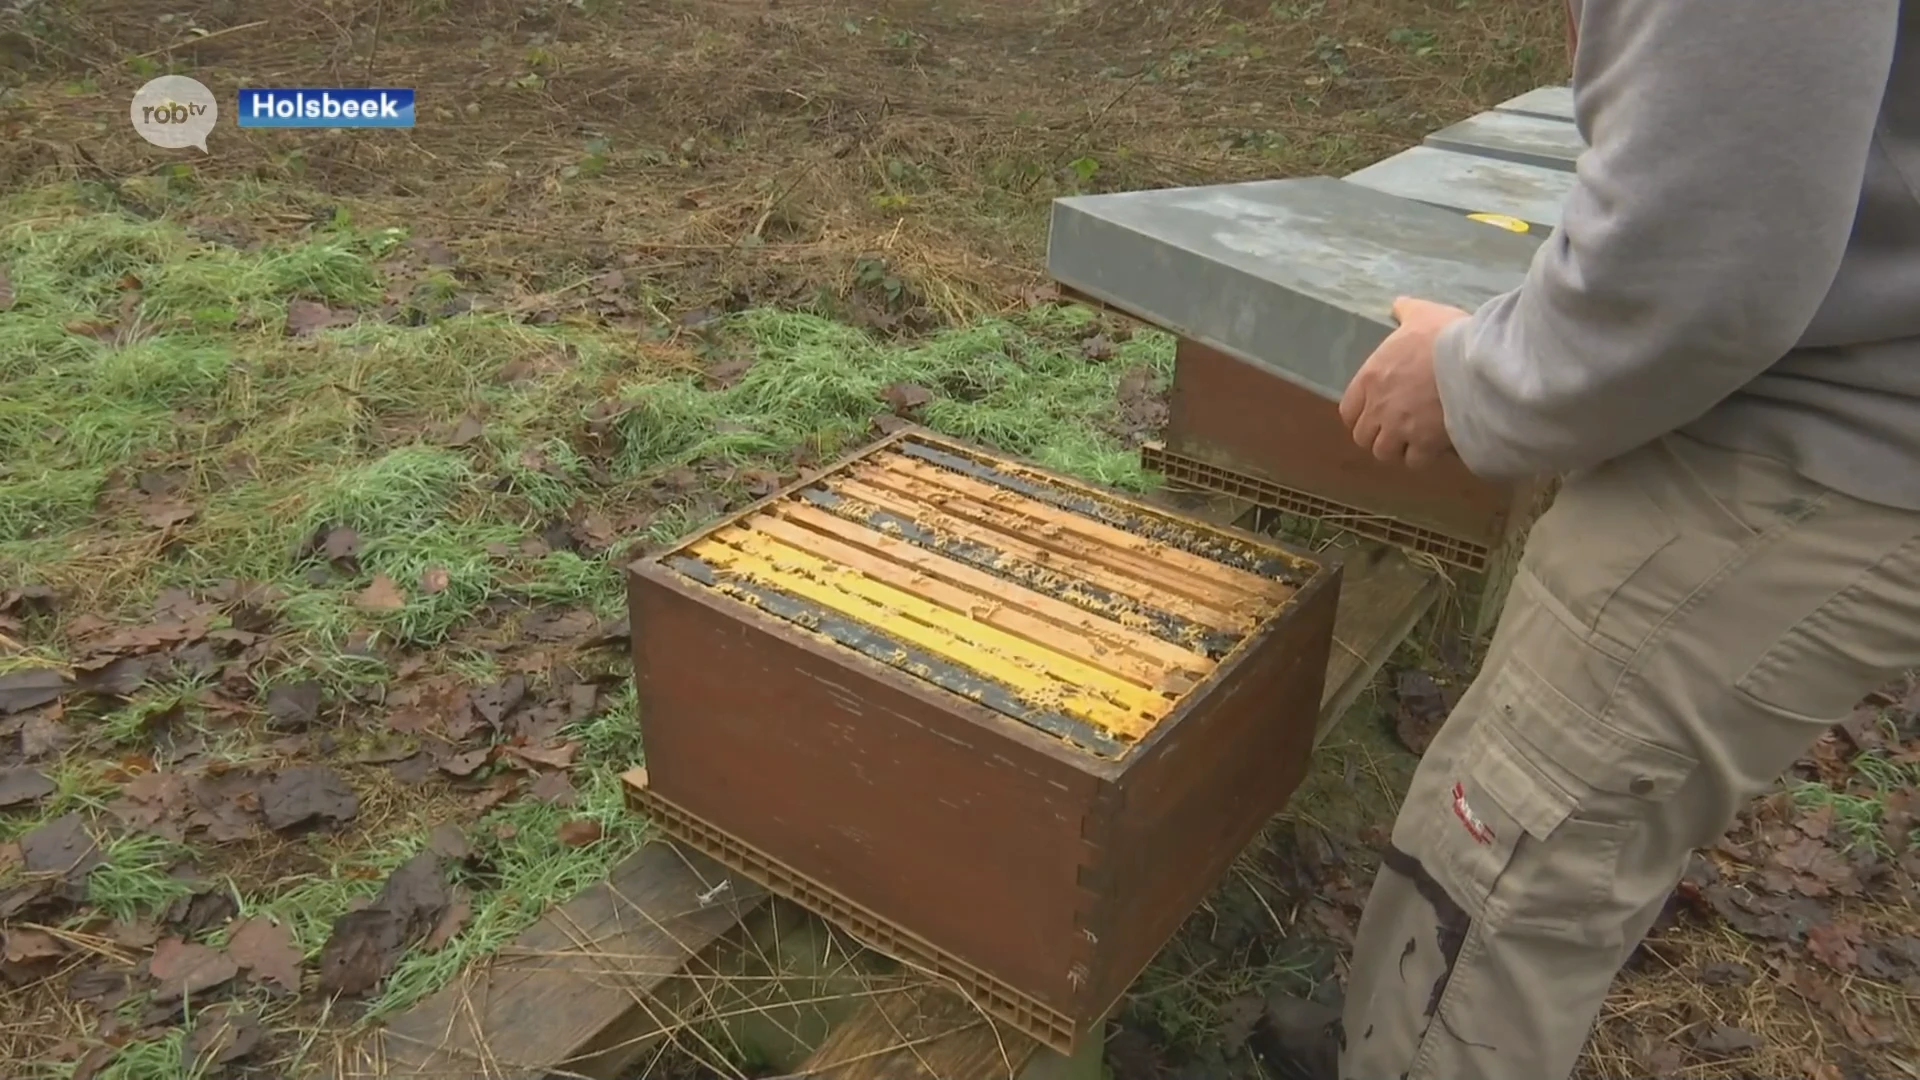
(1279, 290)
(1000, 723)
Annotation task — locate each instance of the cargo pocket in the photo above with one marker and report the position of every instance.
(1596, 540)
(1549, 795)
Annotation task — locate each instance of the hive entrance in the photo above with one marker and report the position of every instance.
(1079, 615)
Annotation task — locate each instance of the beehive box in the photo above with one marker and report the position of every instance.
(1550, 102)
(1003, 724)
(1488, 189)
(1514, 136)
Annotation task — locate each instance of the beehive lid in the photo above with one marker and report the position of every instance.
(1296, 276)
(1510, 136)
(1470, 184)
(1551, 102)
(1082, 615)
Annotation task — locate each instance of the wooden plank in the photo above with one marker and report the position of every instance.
(1383, 594)
(575, 993)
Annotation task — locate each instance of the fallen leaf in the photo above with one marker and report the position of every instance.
(452, 921)
(221, 1035)
(435, 580)
(1722, 1041)
(266, 951)
(564, 626)
(61, 848)
(1833, 945)
(1420, 707)
(21, 786)
(43, 735)
(579, 832)
(165, 513)
(24, 946)
(494, 702)
(182, 968)
(294, 706)
(1726, 974)
(363, 946)
(381, 595)
(308, 317)
(553, 787)
(903, 398)
(1238, 1019)
(30, 688)
(466, 764)
(306, 794)
(725, 373)
(553, 757)
(449, 841)
(466, 430)
(1097, 347)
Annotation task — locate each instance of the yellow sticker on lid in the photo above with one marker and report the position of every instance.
(1511, 224)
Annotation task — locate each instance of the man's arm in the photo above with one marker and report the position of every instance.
(1728, 142)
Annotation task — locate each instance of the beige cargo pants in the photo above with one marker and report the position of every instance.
(1685, 623)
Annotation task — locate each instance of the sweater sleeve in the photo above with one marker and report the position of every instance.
(1727, 144)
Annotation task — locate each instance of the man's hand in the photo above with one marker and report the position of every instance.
(1393, 403)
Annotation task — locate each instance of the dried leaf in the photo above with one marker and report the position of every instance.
(1721, 1041)
(380, 596)
(307, 317)
(221, 1035)
(21, 786)
(725, 373)
(903, 398)
(180, 968)
(553, 757)
(165, 513)
(449, 841)
(25, 946)
(465, 764)
(294, 706)
(1097, 347)
(365, 945)
(61, 848)
(452, 921)
(1833, 945)
(579, 832)
(305, 795)
(339, 544)
(30, 688)
(553, 787)
(466, 430)
(267, 952)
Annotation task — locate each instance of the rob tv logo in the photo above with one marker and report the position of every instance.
(326, 107)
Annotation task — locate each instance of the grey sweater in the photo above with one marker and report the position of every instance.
(1739, 258)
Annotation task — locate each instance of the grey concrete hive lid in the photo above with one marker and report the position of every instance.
(1295, 276)
(1530, 140)
(1470, 184)
(1551, 102)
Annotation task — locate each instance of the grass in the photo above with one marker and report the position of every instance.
(146, 368)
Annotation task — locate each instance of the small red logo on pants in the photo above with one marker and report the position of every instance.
(1476, 828)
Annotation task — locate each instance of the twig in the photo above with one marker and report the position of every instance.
(203, 37)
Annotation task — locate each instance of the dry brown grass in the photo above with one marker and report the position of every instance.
(760, 148)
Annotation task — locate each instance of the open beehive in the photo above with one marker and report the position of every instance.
(1008, 726)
